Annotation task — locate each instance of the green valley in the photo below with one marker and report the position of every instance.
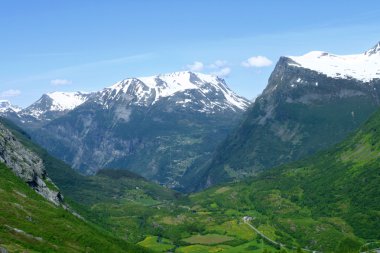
(323, 203)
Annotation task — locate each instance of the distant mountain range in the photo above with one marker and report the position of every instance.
(159, 126)
(176, 128)
(49, 107)
(214, 95)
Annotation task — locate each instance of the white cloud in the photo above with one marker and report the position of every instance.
(196, 66)
(256, 62)
(223, 72)
(218, 64)
(219, 68)
(60, 82)
(10, 93)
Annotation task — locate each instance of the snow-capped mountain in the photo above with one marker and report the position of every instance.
(210, 93)
(200, 92)
(158, 126)
(363, 67)
(6, 106)
(55, 102)
(311, 102)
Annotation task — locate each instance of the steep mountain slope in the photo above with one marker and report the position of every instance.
(60, 173)
(30, 223)
(311, 102)
(158, 127)
(325, 202)
(31, 215)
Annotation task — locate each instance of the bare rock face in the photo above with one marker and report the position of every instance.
(27, 166)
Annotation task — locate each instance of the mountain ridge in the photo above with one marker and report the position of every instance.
(155, 126)
(146, 90)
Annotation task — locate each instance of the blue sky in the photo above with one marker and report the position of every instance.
(87, 45)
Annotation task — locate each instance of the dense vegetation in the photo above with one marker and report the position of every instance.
(329, 198)
(163, 220)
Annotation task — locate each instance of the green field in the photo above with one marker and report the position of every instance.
(157, 244)
(208, 239)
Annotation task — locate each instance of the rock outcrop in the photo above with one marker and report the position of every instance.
(27, 166)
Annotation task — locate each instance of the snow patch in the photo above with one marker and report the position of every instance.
(6, 106)
(149, 90)
(62, 101)
(363, 67)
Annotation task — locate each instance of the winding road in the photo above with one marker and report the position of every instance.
(272, 241)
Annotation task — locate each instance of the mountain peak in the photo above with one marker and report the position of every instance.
(5, 105)
(180, 78)
(62, 101)
(56, 102)
(149, 90)
(374, 50)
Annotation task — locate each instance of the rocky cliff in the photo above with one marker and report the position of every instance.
(27, 166)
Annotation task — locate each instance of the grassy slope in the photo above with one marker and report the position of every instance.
(330, 198)
(119, 201)
(29, 222)
(70, 182)
(122, 205)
